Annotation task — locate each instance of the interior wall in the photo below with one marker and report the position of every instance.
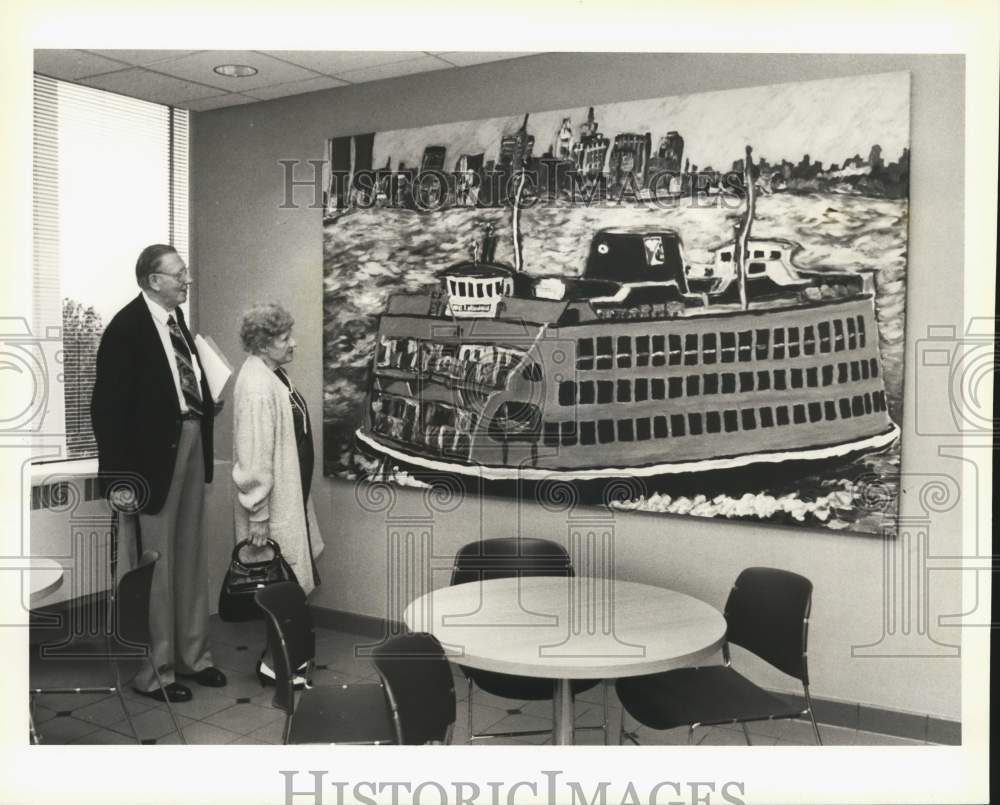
(247, 247)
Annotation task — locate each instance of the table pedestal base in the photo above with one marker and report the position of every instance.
(562, 730)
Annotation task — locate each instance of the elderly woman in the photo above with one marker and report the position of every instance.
(273, 451)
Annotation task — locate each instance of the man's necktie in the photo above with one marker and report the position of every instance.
(189, 383)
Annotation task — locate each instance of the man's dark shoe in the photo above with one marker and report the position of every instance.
(208, 677)
(172, 693)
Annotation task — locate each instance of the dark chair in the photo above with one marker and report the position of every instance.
(420, 688)
(128, 638)
(767, 613)
(342, 714)
(502, 558)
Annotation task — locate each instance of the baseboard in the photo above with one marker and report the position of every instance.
(828, 711)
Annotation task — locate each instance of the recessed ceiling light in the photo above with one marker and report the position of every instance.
(235, 70)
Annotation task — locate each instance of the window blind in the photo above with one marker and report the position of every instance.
(110, 177)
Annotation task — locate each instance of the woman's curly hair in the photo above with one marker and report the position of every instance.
(261, 324)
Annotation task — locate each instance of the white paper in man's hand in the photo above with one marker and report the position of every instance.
(214, 364)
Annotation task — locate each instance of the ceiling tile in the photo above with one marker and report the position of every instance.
(217, 102)
(199, 67)
(296, 88)
(462, 58)
(140, 83)
(421, 64)
(141, 57)
(73, 64)
(334, 62)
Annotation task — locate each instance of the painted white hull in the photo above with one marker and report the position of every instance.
(495, 473)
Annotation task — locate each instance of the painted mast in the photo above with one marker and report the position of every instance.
(519, 159)
(743, 237)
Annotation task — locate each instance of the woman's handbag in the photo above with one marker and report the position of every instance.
(243, 579)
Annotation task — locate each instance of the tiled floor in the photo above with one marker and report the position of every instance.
(241, 712)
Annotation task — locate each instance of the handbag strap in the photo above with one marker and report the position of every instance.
(244, 543)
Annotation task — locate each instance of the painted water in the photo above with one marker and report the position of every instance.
(370, 254)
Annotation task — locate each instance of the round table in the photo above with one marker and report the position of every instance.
(45, 576)
(564, 629)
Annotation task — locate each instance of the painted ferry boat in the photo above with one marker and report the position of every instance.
(636, 368)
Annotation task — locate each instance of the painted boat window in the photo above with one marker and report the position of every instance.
(809, 340)
(838, 335)
(604, 352)
(624, 352)
(845, 408)
(758, 253)
(694, 424)
(642, 431)
(691, 349)
(730, 421)
(775, 255)
(799, 414)
(757, 268)
(660, 427)
(726, 256)
(766, 418)
(815, 412)
(781, 415)
(675, 387)
(642, 350)
(708, 353)
(567, 393)
(568, 433)
(728, 383)
(675, 350)
(855, 371)
(779, 343)
(625, 430)
(852, 334)
(763, 381)
(830, 409)
(779, 380)
(812, 377)
(692, 384)
(677, 425)
(641, 389)
(793, 342)
(861, 332)
(605, 391)
(842, 372)
(605, 430)
(659, 356)
(868, 403)
(745, 345)
(828, 374)
(624, 391)
(857, 405)
(874, 367)
(762, 344)
(865, 371)
(657, 388)
(746, 381)
(587, 392)
(713, 422)
(728, 347)
(588, 433)
(711, 384)
(585, 353)
(824, 336)
(749, 419)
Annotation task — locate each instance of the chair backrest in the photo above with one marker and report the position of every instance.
(768, 613)
(290, 636)
(419, 686)
(504, 557)
(131, 610)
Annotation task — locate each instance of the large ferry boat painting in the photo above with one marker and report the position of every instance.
(744, 378)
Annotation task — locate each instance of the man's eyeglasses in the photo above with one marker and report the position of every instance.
(184, 277)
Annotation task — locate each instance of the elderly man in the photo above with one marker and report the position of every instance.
(153, 414)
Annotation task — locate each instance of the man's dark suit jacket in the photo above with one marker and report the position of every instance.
(135, 411)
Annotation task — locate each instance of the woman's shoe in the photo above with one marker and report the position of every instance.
(266, 677)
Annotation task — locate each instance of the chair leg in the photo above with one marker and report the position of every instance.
(691, 734)
(604, 723)
(121, 699)
(35, 737)
(468, 700)
(812, 718)
(166, 701)
(746, 732)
